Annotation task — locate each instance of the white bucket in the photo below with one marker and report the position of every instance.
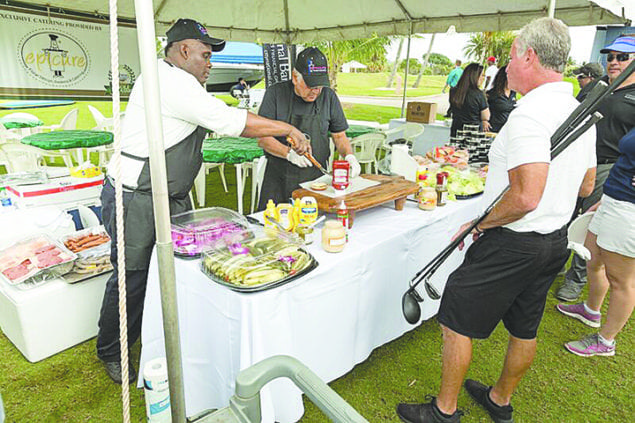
(157, 392)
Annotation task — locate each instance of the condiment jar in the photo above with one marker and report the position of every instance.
(341, 174)
(333, 236)
(427, 198)
(442, 190)
(305, 232)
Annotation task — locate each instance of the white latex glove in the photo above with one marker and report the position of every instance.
(298, 160)
(356, 169)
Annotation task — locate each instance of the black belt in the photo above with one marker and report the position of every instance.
(606, 161)
(557, 233)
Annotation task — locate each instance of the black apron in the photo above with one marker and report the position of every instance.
(283, 177)
(183, 161)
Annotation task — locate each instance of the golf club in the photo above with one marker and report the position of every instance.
(564, 136)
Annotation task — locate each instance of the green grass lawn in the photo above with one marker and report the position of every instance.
(72, 387)
(374, 84)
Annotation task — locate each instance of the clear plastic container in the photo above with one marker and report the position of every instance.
(35, 259)
(269, 259)
(200, 230)
(92, 246)
(89, 242)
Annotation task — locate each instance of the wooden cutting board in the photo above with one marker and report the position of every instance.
(390, 188)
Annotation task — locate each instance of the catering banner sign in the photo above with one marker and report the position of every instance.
(55, 56)
(277, 63)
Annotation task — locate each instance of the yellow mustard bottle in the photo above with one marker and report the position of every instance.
(270, 211)
(286, 216)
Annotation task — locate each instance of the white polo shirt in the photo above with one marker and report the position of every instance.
(184, 105)
(525, 138)
(491, 71)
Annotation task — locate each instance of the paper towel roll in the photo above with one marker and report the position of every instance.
(157, 392)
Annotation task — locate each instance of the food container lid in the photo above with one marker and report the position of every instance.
(199, 230)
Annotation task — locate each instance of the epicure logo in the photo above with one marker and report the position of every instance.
(53, 57)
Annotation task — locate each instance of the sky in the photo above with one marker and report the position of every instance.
(452, 45)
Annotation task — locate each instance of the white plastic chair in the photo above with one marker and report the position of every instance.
(408, 131)
(102, 122)
(24, 158)
(200, 180)
(9, 135)
(258, 175)
(365, 149)
(68, 122)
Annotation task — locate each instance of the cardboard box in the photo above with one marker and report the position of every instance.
(418, 111)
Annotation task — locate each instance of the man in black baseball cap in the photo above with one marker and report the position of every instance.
(313, 67)
(308, 103)
(188, 112)
(587, 75)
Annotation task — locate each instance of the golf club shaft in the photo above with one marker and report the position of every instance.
(564, 136)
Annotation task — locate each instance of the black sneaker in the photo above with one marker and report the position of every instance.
(426, 413)
(113, 369)
(480, 393)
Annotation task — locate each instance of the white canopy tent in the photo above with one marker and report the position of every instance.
(352, 66)
(299, 21)
(287, 21)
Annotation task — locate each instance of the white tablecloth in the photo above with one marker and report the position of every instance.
(330, 319)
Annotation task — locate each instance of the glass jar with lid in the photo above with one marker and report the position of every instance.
(333, 236)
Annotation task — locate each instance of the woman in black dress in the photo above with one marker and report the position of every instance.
(467, 102)
(501, 100)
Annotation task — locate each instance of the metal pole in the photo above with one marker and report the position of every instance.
(158, 173)
(552, 8)
(405, 79)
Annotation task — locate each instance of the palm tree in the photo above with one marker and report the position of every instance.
(426, 60)
(371, 50)
(484, 44)
(391, 78)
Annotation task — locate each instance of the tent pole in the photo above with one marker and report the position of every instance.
(552, 8)
(405, 78)
(158, 173)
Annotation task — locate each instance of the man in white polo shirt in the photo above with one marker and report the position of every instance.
(490, 73)
(187, 113)
(522, 244)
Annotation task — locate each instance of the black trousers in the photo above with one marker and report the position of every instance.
(136, 280)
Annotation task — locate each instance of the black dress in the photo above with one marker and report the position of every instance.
(500, 106)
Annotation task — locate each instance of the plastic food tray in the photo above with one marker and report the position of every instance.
(96, 251)
(20, 252)
(90, 262)
(269, 260)
(200, 230)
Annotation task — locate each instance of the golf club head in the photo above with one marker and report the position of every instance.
(410, 306)
(580, 250)
(431, 291)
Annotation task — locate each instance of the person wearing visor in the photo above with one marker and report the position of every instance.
(619, 118)
(588, 76)
(187, 113)
(309, 104)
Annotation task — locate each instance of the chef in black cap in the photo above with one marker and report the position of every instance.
(187, 113)
(309, 104)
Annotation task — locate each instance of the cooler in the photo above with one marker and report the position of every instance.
(67, 190)
(48, 319)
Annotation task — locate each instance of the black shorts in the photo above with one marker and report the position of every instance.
(506, 276)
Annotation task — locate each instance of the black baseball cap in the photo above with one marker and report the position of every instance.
(591, 70)
(312, 64)
(189, 29)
